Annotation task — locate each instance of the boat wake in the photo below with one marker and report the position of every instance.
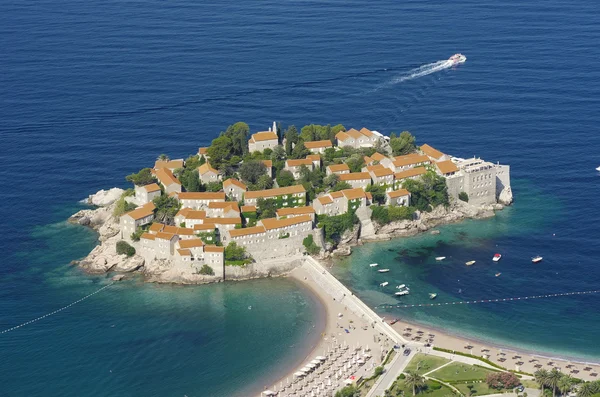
(415, 73)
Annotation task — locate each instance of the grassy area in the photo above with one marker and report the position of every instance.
(431, 389)
(457, 372)
(423, 363)
(531, 384)
(479, 389)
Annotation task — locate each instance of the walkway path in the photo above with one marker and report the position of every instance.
(394, 369)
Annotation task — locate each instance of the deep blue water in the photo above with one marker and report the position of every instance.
(92, 91)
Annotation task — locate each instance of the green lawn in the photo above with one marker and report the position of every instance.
(423, 363)
(457, 372)
(428, 391)
(479, 389)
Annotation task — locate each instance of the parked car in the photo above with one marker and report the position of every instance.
(406, 352)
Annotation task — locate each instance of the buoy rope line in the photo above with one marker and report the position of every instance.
(56, 311)
(521, 298)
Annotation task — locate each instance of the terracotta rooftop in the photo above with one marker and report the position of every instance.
(201, 196)
(155, 227)
(370, 168)
(268, 163)
(235, 182)
(313, 157)
(446, 167)
(185, 231)
(338, 167)
(366, 132)
(153, 187)
(206, 167)
(298, 162)
(431, 152)
(204, 226)
(398, 193)
(169, 229)
(141, 212)
(203, 151)
(382, 172)
(147, 236)
(184, 252)
(410, 159)
(352, 194)
(213, 248)
(354, 133)
(224, 221)
(164, 236)
(191, 243)
(247, 231)
(189, 213)
(342, 136)
(166, 177)
(324, 200)
(171, 164)
(410, 173)
(378, 156)
(275, 192)
(355, 176)
(225, 205)
(248, 208)
(274, 223)
(263, 136)
(295, 211)
(318, 144)
(336, 195)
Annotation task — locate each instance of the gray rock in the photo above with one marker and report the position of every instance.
(435, 232)
(84, 221)
(342, 251)
(118, 277)
(104, 198)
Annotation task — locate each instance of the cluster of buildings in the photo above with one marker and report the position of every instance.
(207, 221)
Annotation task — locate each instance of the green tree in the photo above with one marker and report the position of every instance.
(193, 162)
(588, 389)
(278, 153)
(122, 206)
(206, 270)
(266, 208)
(414, 381)
(202, 160)
(463, 196)
(553, 380)
(348, 391)
(166, 209)
(341, 185)
(214, 186)
(238, 134)
(355, 162)
(123, 248)
(285, 178)
(220, 151)
(402, 145)
(144, 177)
(331, 180)
(291, 138)
(234, 252)
(309, 244)
(429, 192)
(541, 377)
(135, 236)
(191, 180)
(378, 193)
(335, 226)
(308, 133)
(300, 151)
(163, 157)
(565, 383)
(251, 171)
(378, 371)
(264, 182)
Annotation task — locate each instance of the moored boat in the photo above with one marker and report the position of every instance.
(469, 263)
(383, 284)
(536, 259)
(400, 293)
(432, 296)
(497, 257)
(383, 270)
(400, 286)
(440, 258)
(374, 264)
(498, 274)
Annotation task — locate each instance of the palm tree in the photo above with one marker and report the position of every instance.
(564, 384)
(553, 379)
(587, 389)
(163, 157)
(414, 380)
(541, 377)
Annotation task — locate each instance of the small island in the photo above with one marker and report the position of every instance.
(252, 205)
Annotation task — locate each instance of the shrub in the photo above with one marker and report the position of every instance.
(378, 371)
(206, 270)
(309, 244)
(402, 376)
(125, 249)
(502, 380)
(435, 386)
(286, 235)
(463, 196)
(385, 215)
(135, 236)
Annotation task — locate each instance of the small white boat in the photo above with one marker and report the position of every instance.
(374, 265)
(400, 293)
(469, 263)
(498, 274)
(440, 258)
(597, 168)
(383, 284)
(383, 270)
(457, 59)
(400, 286)
(432, 296)
(536, 259)
(497, 257)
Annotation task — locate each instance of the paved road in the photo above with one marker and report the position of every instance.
(391, 373)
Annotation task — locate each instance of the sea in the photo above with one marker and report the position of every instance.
(93, 91)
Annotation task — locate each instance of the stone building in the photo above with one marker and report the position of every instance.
(226, 209)
(168, 181)
(290, 196)
(357, 179)
(234, 189)
(479, 180)
(262, 140)
(356, 139)
(189, 217)
(337, 169)
(403, 163)
(433, 154)
(147, 193)
(283, 213)
(400, 197)
(208, 174)
(130, 221)
(294, 166)
(172, 165)
(412, 173)
(338, 203)
(380, 175)
(199, 200)
(318, 146)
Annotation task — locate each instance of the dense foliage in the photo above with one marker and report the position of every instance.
(266, 208)
(385, 215)
(251, 171)
(502, 380)
(403, 144)
(291, 138)
(236, 255)
(463, 196)
(144, 177)
(348, 391)
(315, 132)
(123, 206)
(335, 226)
(341, 185)
(285, 178)
(429, 192)
(166, 209)
(123, 248)
(309, 244)
(378, 193)
(206, 270)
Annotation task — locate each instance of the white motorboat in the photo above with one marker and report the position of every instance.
(536, 259)
(383, 270)
(400, 286)
(497, 257)
(597, 168)
(470, 263)
(374, 265)
(383, 284)
(457, 59)
(440, 258)
(400, 293)
(432, 295)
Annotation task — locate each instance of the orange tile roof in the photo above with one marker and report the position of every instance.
(355, 176)
(206, 167)
(352, 194)
(248, 208)
(276, 192)
(201, 196)
(156, 227)
(336, 195)
(369, 196)
(324, 200)
(263, 136)
(446, 167)
(166, 177)
(398, 193)
(189, 213)
(338, 167)
(141, 212)
(268, 163)
(410, 173)
(213, 248)
(171, 164)
(318, 144)
(185, 231)
(313, 157)
(153, 187)
(147, 236)
(191, 243)
(224, 204)
(184, 252)
(274, 223)
(247, 231)
(378, 156)
(235, 182)
(205, 226)
(410, 159)
(202, 151)
(366, 132)
(164, 236)
(295, 211)
(342, 136)
(224, 221)
(370, 168)
(382, 172)
(354, 133)
(298, 162)
(169, 229)
(431, 152)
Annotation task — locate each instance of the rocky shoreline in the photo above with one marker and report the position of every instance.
(104, 258)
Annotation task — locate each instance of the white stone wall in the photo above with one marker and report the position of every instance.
(262, 145)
